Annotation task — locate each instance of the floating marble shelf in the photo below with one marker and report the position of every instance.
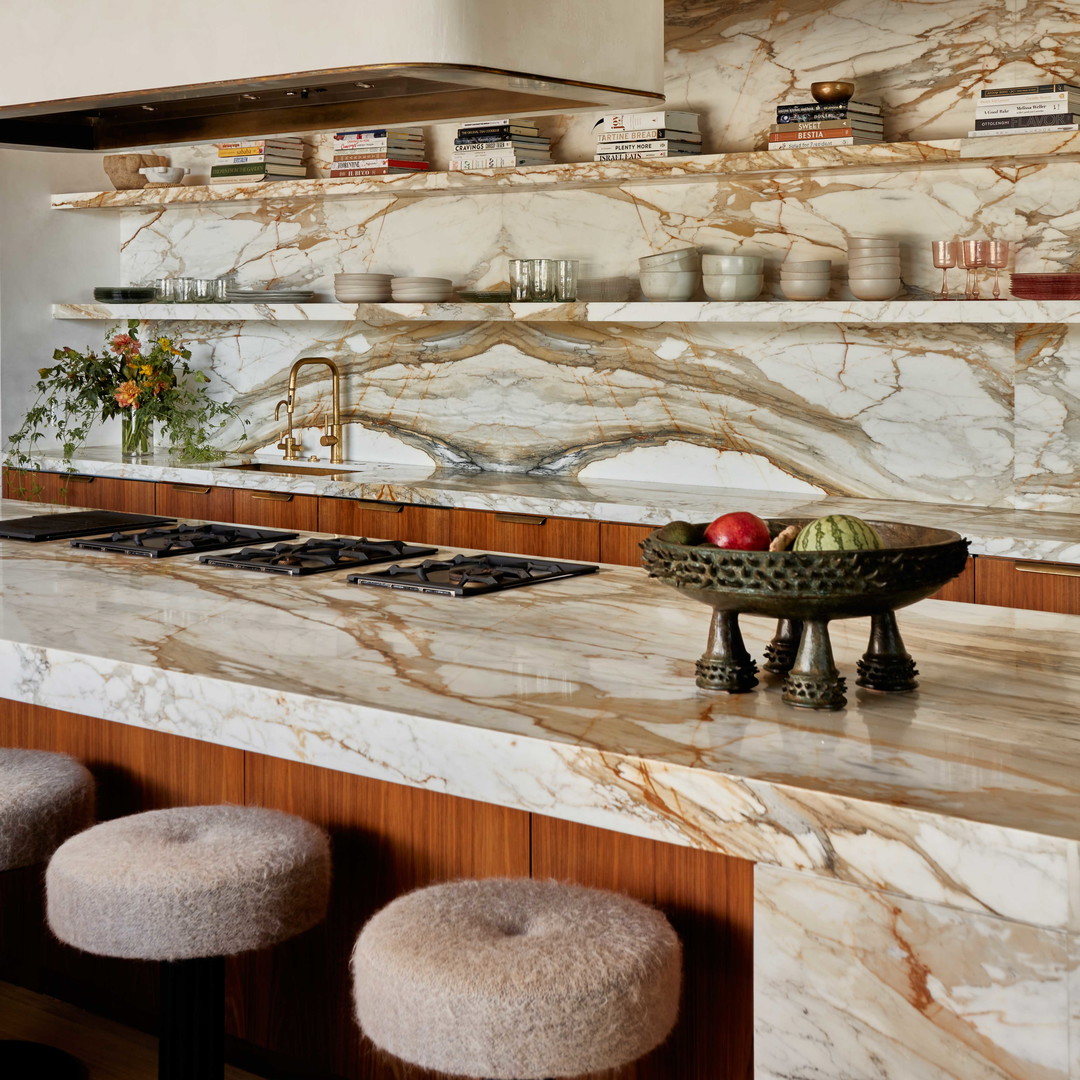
(996, 150)
(774, 312)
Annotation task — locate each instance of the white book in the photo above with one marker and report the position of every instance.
(668, 146)
(492, 161)
(631, 155)
(649, 133)
(804, 144)
(1025, 99)
(1042, 129)
(681, 121)
(999, 108)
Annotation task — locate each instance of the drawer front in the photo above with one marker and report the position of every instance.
(77, 489)
(526, 534)
(621, 544)
(385, 521)
(30, 486)
(199, 501)
(276, 510)
(1036, 586)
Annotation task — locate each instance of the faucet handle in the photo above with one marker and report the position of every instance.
(328, 438)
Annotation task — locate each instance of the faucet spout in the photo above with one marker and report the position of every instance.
(333, 438)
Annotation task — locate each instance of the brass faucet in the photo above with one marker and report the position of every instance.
(332, 435)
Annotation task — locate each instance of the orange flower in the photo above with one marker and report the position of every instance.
(125, 345)
(127, 394)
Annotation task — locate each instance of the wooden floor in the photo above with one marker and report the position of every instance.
(110, 1051)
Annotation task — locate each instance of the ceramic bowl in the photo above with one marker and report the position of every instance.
(874, 268)
(669, 285)
(874, 288)
(669, 259)
(732, 264)
(812, 266)
(805, 290)
(871, 242)
(164, 174)
(733, 286)
(785, 276)
(421, 281)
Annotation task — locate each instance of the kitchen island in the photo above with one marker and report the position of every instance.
(917, 857)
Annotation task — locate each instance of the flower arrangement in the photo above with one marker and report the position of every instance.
(143, 383)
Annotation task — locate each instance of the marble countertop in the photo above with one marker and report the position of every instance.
(577, 699)
(1018, 534)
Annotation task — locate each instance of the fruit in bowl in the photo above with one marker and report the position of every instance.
(738, 531)
(838, 532)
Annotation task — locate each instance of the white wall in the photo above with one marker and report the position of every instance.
(46, 256)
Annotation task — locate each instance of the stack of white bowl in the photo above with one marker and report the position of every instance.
(733, 277)
(422, 290)
(673, 275)
(873, 267)
(805, 279)
(362, 288)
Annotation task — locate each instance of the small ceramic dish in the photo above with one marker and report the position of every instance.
(164, 174)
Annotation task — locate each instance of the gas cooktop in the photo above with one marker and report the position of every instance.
(181, 540)
(316, 556)
(471, 575)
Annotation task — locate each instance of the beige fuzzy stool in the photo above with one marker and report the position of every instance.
(516, 979)
(190, 886)
(44, 798)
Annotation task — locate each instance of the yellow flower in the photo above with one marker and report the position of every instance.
(164, 342)
(146, 369)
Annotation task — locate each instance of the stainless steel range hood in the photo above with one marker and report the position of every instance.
(127, 73)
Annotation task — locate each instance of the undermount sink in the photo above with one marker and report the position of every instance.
(289, 469)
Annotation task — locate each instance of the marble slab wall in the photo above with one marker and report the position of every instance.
(977, 415)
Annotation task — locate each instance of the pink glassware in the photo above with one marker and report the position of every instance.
(944, 259)
(975, 254)
(997, 259)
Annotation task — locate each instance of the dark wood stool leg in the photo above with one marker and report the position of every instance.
(192, 1026)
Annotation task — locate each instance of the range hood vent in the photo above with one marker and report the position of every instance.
(210, 67)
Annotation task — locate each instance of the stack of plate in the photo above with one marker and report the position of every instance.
(421, 290)
(268, 296)
(362, 288)
(1046, 286)
(124, 294)
(873, 267)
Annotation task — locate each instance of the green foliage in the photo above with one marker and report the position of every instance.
(144, 382)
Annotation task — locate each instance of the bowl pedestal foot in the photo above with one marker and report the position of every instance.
(780, 652)
(726, 664)
(814, 681)
(886, 664)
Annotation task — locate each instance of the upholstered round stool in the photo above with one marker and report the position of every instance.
(515, 979)
(44, 798)
(189, 886)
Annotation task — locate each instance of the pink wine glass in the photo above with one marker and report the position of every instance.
(997, 259)
(944, 259)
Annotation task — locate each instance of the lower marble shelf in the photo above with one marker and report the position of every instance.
(776, 312)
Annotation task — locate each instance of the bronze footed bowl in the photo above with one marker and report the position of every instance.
(805, 590)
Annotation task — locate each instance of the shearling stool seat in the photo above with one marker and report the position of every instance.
(44, 798)
(516, 979)
(189, 886)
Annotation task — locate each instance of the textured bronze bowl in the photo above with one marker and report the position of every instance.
(805, 590)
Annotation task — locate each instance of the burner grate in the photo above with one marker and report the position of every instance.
(317, 555)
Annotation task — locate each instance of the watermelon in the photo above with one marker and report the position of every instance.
(837, 532)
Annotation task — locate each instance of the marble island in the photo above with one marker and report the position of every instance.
(917, 882)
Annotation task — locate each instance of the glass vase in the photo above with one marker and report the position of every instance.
(136, 436)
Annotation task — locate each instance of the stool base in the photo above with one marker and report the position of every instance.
(191, 1042)
(30, 1059)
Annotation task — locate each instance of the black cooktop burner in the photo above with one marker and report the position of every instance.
(181, 540)
(471, 575)
(316, 556)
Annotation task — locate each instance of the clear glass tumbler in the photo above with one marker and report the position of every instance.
(205, 290)
(164, 290)
(542, 279)
(184, 290)
(519, 279)
(566, 280)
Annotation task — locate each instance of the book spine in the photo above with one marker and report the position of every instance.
(230, 149)
(385, 170)
(851, 103)
(1027, 99)
(649, 133)
(665, 145)
(645, 121)
(1052, 129)
(806, 144)
(491, 161)
(251, 169)
(1038, 88)
(379, 133)
(991, 123)
(264, 159)
(481, 134)
(503, 122)
(824, 112)
(376, 144)
(630, 155)
(1031, 108)
(518, 140)
(365, 155)
(377, 163)
(830, 125)
(485, 147)
(815, 136)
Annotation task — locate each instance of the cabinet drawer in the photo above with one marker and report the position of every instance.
(385, 520)
(526, 534)
(276, 510)
(200, 501)
(1037, 586)
(621, 544)
(31, 486)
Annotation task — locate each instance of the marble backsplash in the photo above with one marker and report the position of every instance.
(982, 415)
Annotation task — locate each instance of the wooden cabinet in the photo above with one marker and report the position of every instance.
(1036, 586)
(526, 534)
(621, 544)
(199, 501)
(78, 489)
(385, 521)
(276, 510)
(31, 486)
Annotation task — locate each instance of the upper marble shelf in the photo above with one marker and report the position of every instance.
(770, 312)
(999, 150)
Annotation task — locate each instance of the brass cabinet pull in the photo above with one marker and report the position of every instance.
(272, 496)
(521, 519)
(81, 479)
(192, 489)
(381, 507)
(1053, 571)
